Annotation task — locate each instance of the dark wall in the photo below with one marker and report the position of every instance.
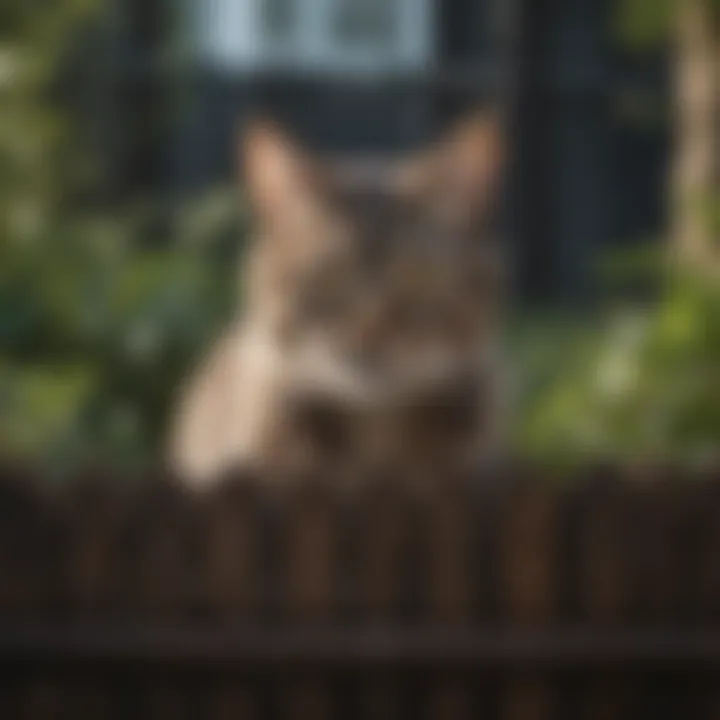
(593, 141)
(588, 172)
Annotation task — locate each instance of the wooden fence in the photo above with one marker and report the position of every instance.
(521, 600)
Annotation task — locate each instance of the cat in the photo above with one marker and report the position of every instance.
(372, 318)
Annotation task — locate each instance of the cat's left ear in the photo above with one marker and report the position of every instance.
(278, 173)
(462, 175)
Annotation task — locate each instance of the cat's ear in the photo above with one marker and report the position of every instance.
(472, 158)
(461, 175)
(276, 171)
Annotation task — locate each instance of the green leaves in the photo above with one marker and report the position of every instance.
(97, 326)
(100, 314)
(644, 23)
(645, 383)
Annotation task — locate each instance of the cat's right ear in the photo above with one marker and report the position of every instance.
(276, 171)
(461, 175)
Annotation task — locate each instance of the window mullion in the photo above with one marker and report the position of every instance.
(417, 37)
(315, 43)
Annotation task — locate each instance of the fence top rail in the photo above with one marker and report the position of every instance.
(188, 645)
(26, 481)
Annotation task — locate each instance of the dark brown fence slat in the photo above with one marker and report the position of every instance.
(44, 699)
(92, 519)
(604, 544)
(452, 698)
(310, 566)
(693, 515)
(27, 548)
(652, 552)
(449, 541)
(449, 544)
(12, 696)
(88, 699)
(27, 579)
(682, 524)
(658, 588)
(310, 562)
(167, 700)
(232, 700)
(160, 540)
(159, 583)
(384, 541)
(605, 582)
(709, 569)
(385, 535)
(528, 557)
(232, 530)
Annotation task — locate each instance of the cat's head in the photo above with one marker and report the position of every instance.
(375, 275)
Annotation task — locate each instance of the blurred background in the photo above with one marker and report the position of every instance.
(122, 224)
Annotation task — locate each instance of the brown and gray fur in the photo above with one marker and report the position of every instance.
(370, 334)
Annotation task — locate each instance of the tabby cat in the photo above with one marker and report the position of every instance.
(371, 324)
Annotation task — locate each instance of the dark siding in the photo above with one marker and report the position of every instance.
(641, 130)
(465, 30)
(586, 176)
(564, 201)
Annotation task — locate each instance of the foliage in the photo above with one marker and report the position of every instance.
(96, 329)
(98, 317)
(642, 383)
(644, 23)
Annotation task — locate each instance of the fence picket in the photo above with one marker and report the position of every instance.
(310, 575)
(449, 544)
(233, 701)
(232, 553)
(29, 536)
(44, 699)
(160, 539)
(384, 543)
(24, 546)
(91, 522)
(605, 582)
(709, 579)
(232, 530)
(528, 577)
(91, 528)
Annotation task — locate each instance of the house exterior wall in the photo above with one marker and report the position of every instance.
(583, 178)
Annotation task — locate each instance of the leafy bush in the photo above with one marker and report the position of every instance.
(97, 326)
(100, 313)
(640, 383)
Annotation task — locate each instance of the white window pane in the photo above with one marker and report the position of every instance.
(367, 23)
(227, 32)
(328, 36)
(279, 18)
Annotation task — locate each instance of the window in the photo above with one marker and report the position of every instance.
(370, 23)
(327, 36)
(278, 18)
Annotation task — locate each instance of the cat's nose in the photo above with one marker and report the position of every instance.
(365, 358)
(368, 329)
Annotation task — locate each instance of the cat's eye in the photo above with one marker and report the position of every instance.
(399, 316)
(326, 304)
(411, 318)
(320, 306)
(482, 280)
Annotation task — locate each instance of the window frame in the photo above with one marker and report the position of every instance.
(231, 36)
